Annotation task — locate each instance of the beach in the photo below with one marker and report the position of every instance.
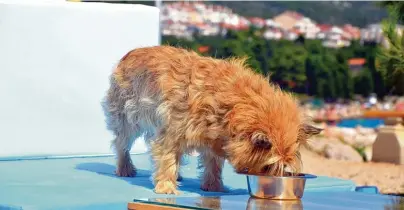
(389, 178)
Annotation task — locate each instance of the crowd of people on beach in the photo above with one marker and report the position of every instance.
(333, 112)
(329, 116)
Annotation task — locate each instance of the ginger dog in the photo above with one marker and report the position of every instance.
(183, 101)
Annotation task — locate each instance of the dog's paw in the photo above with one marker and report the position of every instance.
(166, 187)
(212, 187)
(126, 172)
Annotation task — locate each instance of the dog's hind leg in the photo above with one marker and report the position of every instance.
(124, 132)
(122, 144)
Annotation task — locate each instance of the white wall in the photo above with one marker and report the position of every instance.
(55, 60)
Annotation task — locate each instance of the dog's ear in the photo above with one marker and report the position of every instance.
(309, 130)
(260, 140)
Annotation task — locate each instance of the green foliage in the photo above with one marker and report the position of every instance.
(390, 59)
(395, 8)
(363, 83)
(303, 67)
(361, 151)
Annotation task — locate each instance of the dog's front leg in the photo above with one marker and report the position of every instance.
(212, 166)
(167, 161)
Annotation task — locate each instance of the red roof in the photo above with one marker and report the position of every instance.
(234, 27)
(353, 31)
(257, 20)
(296, 31)
(356, 61)
(203, 49)
(345, 38)
(324, 27)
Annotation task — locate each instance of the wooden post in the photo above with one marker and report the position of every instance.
(389, 144)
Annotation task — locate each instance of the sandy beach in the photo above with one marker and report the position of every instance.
(389, 178)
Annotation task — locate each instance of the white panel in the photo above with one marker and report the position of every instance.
(55, 62)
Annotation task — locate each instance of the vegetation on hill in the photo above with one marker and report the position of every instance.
(303, 66)
(390, 60)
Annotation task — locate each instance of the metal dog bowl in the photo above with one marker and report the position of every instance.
(277, 187)
(258, 203)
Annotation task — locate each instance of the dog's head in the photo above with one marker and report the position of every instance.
(265, 133)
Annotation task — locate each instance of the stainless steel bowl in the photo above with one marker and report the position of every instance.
(258, 204)
(277, 187)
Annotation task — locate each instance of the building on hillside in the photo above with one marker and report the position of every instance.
(323, 31)
(271, 23)
(374, 33)
(334, 38)
(257, 22)
(294, 24)
(184, 18)
(288, 19)
(272, 30)
(291, 35)
(352, 32)
(307, 28)
(275, 34)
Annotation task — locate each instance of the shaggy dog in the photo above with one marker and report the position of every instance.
(221, 108)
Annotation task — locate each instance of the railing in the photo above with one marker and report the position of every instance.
(382, 114)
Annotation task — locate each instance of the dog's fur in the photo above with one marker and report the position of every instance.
(183, 101)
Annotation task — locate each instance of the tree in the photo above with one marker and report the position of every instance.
(288, 65)
(364, 83)
(304, 67)
(390, 59)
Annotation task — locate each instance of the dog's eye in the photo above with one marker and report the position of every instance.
(265, 169)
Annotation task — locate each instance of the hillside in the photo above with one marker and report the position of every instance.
(358, 13)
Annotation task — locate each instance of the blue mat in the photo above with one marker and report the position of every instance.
(74, 182)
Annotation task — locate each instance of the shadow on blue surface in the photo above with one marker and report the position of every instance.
(107, 170)
(4, 207)
(143, 179)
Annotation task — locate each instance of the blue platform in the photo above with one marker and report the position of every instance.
(310, 201)
(90, 183)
